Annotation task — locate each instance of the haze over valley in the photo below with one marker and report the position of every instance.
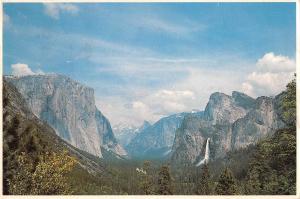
(175, 99)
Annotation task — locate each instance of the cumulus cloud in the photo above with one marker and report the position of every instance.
(272, 74)
(55, 9)
(119, 111)
(204, 81)
(275, 63)
(269, 77)
(165, 102)
(20, 69)
(152, 106)
(190, 91)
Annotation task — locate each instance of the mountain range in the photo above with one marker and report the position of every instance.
(230, 122)
(125, 133)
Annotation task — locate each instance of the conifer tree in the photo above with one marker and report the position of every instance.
(289, 104)
(226, 184)
(146, 179)
(204, 184)
(164, 181)
(273, 166)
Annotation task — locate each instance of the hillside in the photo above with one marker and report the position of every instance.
(24, 133)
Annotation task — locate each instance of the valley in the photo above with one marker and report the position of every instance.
(236, 145)
(149, 98)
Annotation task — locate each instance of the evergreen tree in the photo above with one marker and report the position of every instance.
(272, 168)
(289, 104)
(146, 179)
(164, 181)
(226, 184)
(260, 172)
(204, 184)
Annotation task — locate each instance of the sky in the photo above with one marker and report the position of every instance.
(149, 60)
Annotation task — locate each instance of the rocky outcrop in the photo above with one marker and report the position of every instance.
(190, 139)
(222, 108)
(69, 108)
(258, 123)
(20, 124)
(231, 122)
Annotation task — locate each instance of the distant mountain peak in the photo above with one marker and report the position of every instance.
(145, 124)
(218, 95)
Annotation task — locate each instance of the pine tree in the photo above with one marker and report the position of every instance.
(146, 179)
(272, 168)
(204, 184)
(164, 181)
(259, 172)
(289, 104)
(226, 184)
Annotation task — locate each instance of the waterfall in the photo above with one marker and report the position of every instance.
(206, 156)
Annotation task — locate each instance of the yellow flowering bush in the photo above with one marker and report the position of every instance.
(47, 178)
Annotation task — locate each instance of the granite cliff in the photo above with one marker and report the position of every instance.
(69, 108)
(230, 122)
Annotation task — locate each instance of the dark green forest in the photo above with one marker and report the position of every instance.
(34, 162)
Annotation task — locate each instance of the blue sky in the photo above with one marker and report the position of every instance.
(149, 60)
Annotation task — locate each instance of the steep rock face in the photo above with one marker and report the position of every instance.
(156, 140)
(190, 139)
(19, 124)
(223, 108)
(243, 100)
(69, 108)
(258, 123)
(231, 122)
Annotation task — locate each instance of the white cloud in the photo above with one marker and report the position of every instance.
(20, 69)
(190, 82)
(151, 106)
(164, 102)
(155, 86)
(272, 74)
(55, 9)
(204, 81)
(118, 111)
(275, 63)
(190, 93)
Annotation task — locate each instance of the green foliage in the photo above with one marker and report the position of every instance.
(164, 181)
(273, 166)
(48, 177)
(226, 184)
(204, 184)
(146, 184)
(289, 104)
